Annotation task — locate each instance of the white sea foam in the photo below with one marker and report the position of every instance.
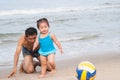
(59, 9)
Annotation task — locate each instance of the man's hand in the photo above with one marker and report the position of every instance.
(12, 73)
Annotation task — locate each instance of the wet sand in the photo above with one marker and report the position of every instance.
(107, 65)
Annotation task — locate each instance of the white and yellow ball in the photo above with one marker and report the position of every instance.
(85, 71)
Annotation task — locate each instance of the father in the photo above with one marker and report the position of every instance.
(25, 44)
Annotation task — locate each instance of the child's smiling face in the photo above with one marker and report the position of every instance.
(43, 27)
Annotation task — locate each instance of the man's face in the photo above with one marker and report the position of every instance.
(31, 38)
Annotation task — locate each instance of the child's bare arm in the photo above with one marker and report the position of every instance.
(57, 42)
(35, 44)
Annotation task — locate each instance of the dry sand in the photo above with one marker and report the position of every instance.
(107, 65)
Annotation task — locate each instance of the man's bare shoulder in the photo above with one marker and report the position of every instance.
(22, 36)
(21, 40)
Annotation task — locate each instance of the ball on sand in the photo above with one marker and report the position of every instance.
(85, 71)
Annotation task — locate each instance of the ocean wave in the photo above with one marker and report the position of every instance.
(5, 64)
(59, 9)
(82, 38)
(8, 41)
(109, 3)
(9, 34)
(0, 42)
(8, 37)
(90, 37)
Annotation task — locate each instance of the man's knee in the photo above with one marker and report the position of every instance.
(28, 64)
(29, 70)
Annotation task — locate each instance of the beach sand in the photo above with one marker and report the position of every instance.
(107, 65)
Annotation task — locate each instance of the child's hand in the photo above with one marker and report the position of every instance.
(61, 51)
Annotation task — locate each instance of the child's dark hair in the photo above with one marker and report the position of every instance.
(42, 20)
(30, 31)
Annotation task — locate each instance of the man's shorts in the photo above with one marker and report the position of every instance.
(26, 52)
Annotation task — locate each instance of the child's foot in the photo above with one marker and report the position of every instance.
(41, 76)
(52, 72)
(48, 70)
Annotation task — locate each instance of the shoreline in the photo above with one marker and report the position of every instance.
(107, 66)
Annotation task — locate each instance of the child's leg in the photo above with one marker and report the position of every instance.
(48, 66)
(51, 61)
(43, 65)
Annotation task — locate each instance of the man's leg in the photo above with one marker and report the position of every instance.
(28, 66)
(35, 64)
(21, 68)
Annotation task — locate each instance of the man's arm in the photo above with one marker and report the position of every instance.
(16, 56)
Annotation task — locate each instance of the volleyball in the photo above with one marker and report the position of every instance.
(85, 71)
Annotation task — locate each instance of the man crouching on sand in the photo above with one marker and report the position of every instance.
(25, 44)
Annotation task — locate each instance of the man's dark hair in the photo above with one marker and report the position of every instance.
(30, 31)
(42, 20)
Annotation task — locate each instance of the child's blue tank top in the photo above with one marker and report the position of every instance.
(46, 46)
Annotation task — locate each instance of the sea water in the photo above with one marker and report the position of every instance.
(80, 25)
